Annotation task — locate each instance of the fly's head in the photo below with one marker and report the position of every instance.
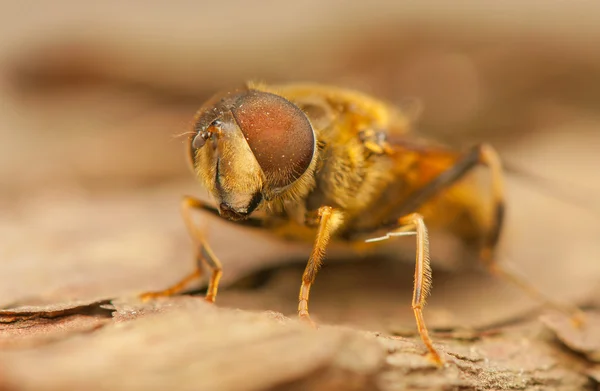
(248, 147)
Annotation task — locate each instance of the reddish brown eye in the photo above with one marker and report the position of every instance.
(278, 133)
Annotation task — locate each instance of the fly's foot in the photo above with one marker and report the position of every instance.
(435, 358)
(147, 296)
(174, 289)
(578, 319)
(305, 318)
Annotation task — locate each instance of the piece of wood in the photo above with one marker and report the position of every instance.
(186, 344)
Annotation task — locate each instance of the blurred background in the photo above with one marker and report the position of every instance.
(94, 95)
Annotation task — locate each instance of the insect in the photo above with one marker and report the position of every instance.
(319, 163)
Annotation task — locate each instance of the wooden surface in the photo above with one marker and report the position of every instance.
(185, 343)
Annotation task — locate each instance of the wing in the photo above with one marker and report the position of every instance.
(434, 181)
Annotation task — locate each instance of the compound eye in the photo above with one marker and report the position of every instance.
(279, 135)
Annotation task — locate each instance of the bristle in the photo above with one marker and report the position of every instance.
(427, 273)
(179, 135)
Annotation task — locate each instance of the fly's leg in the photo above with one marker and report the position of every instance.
(488, 156)
(485, 155)
(413, 224)
(204, 256)
(177, 287)
(329, 220)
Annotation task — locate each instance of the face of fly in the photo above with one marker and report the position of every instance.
(247, 147)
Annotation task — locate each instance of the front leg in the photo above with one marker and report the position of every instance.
(329, 220)
(204, 255)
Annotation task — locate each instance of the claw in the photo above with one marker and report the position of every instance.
(436, 359)
(147, 296)
(305, 317)
(578, 319)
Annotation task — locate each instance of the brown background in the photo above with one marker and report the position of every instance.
(91, 172)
